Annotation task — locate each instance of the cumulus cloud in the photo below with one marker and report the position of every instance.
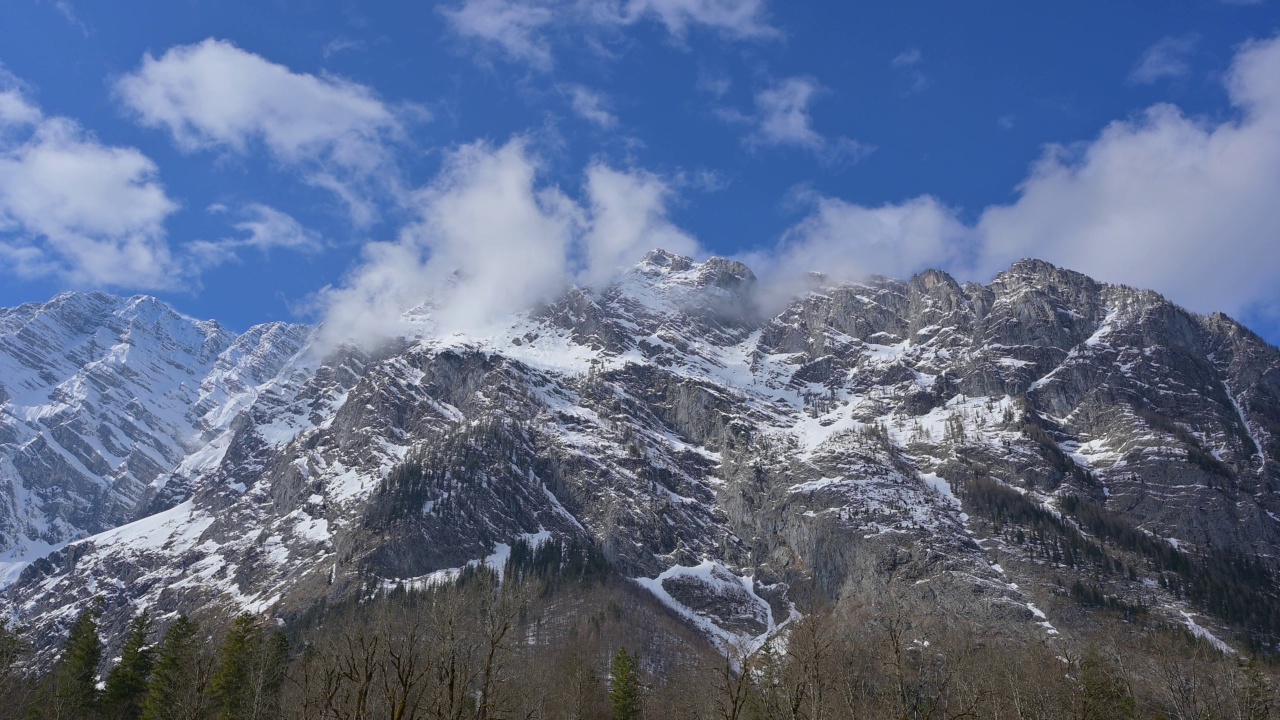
(215, 95)
(847, 242)
(492, 238)
(1165, 59)
(590, 106)
(521, 28)
(74, 208)
(783, 118)
(627, 214)
(1182, 205)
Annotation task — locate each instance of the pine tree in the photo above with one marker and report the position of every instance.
(250, 670)
(179, 680)
(75, 680)
(624, 695)
(126, 686)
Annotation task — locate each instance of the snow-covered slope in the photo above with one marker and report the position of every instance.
(1040, 442)
(101, 398)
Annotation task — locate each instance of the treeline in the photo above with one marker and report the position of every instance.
(538, 645)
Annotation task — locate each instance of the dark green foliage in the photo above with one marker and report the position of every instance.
(439, 475)
(179, 682)
(250, 671)
(624, 687)
(73, 685)
(126, 686)
(557, 561)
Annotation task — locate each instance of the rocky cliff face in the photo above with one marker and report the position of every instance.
(1014, 454)
(102, 399)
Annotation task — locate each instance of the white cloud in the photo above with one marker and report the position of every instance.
(628, 217)
(734, 18)
(71, 207)
(784, 114)
(16, 111)
(1182, 205)
(267, 228)
(515, 26)
(263, 228)
(1165, 59)
(845, 241)
(907, 63)
(590, 106)
(213, 94)
(68, 13)
(493, 239)
(907, 58)
(341, 45)
(783, 119)
(521, 28)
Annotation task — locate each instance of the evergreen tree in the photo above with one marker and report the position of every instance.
(126, 687)
(180, 678)
(12, 648)
(250, 672)
(624, 695)
(75, 679)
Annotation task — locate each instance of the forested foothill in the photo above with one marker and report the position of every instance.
(555, 635)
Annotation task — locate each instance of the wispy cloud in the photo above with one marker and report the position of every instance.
(340, 45)
(262, 228)
(522, 29)
(68, 13)
(590, 105)
(908, 64)
(514, 26)
(783, 118)
(1168, 58)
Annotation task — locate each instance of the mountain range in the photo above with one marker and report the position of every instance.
(1038, 454)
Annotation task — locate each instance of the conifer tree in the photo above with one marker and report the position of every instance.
(126, 686)
(75, 680)
(250, 671)
(179, 681)
(624, 694)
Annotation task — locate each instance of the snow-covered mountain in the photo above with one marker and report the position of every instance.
(1015, 453)
(102, 400)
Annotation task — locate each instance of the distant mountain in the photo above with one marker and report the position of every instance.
(103, 400)
(1030, 453)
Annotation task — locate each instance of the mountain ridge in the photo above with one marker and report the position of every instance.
(884, 434)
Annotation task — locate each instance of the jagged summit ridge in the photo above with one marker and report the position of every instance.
(856, 440)
(102, 398)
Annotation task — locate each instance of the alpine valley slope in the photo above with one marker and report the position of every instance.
(1030, 455)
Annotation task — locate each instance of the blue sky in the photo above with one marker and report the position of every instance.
(306, 160)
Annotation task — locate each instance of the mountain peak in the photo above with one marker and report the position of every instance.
(668, 261)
